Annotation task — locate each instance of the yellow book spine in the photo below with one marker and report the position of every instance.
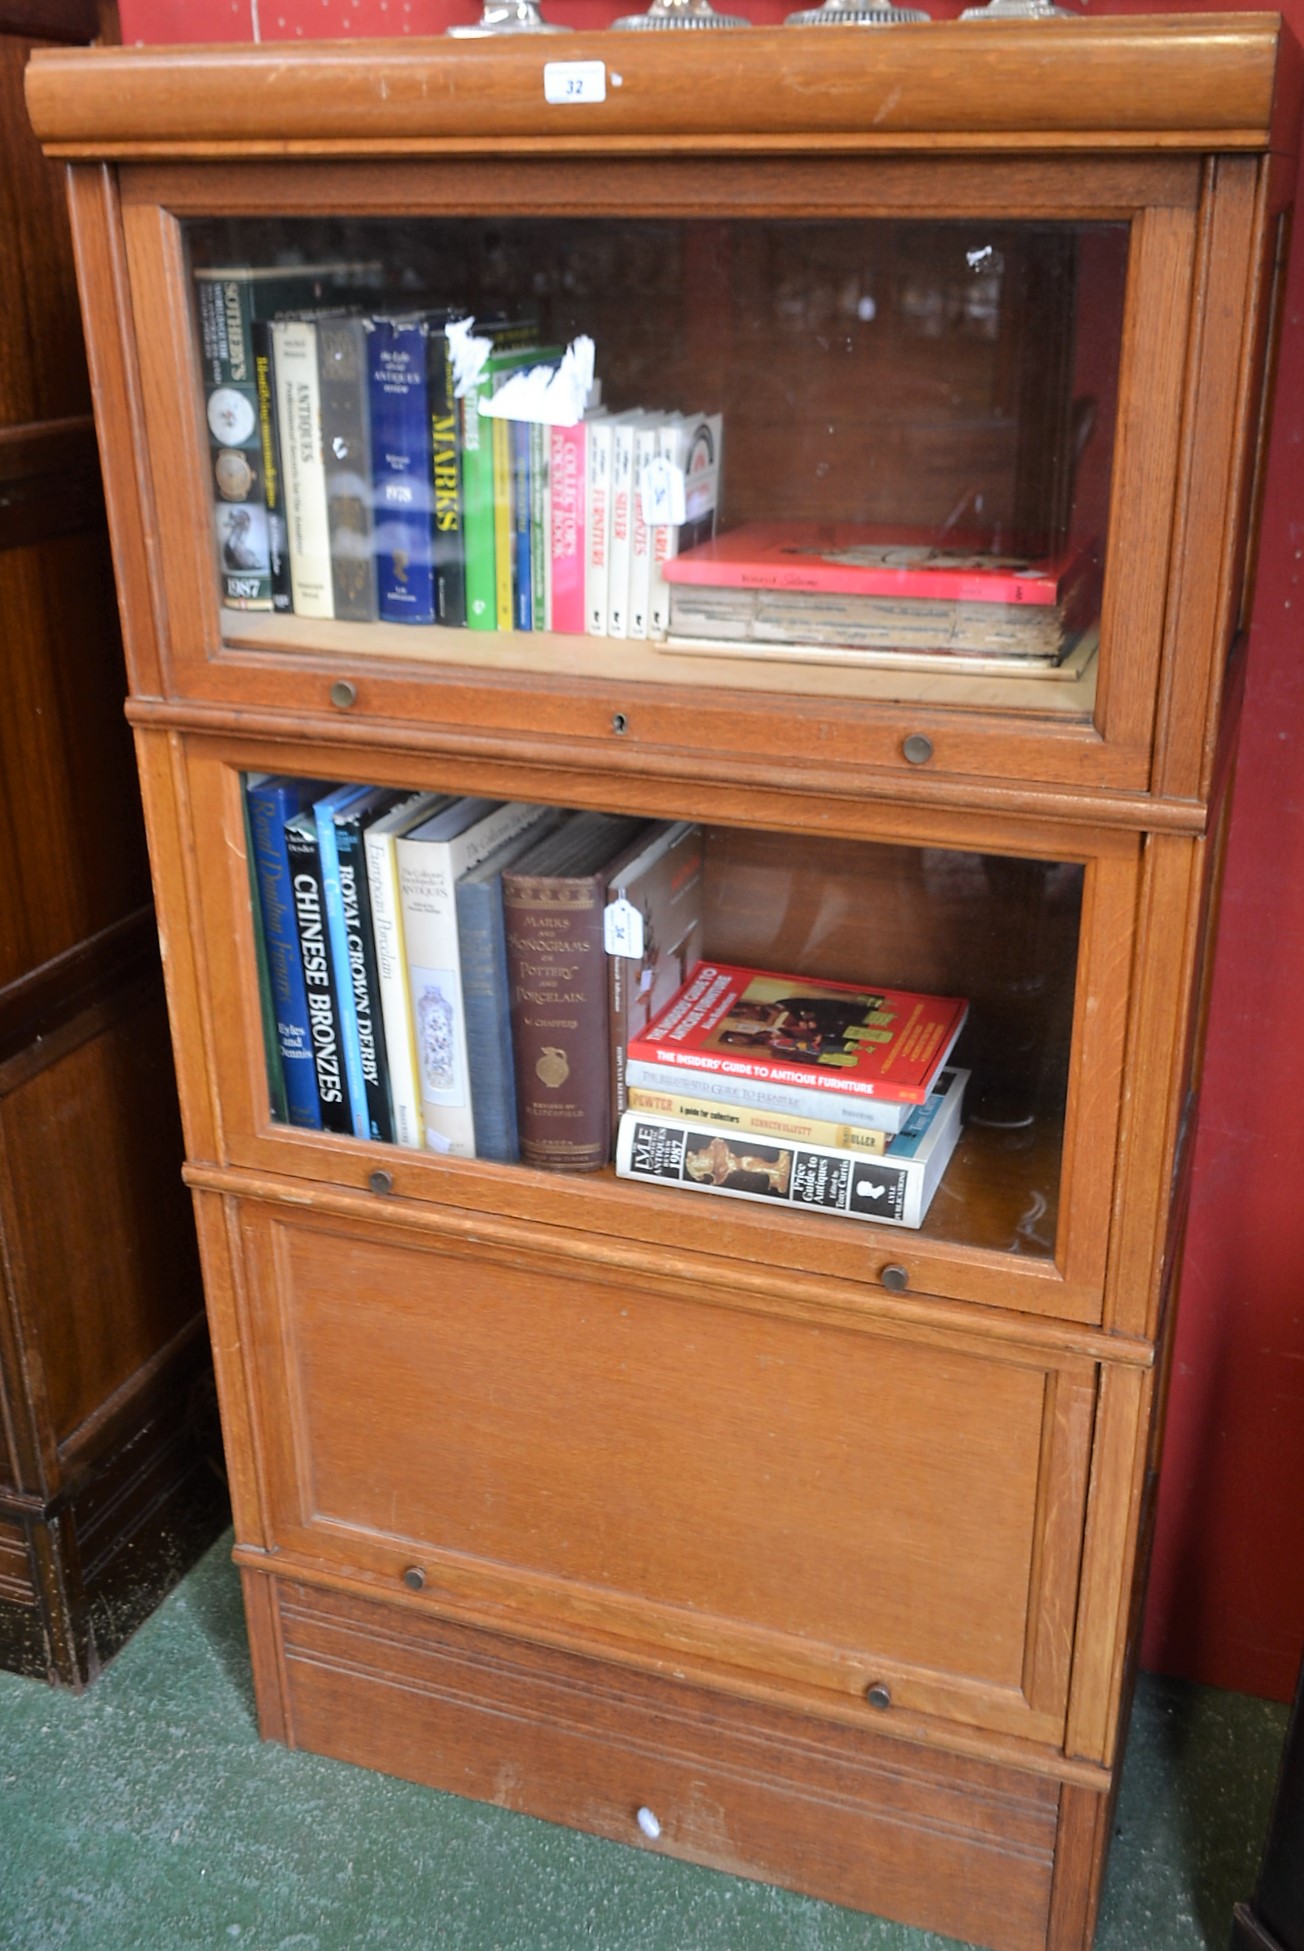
(775, 1126)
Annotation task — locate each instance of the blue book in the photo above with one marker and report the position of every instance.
(486, 996)
(403, 516)
(518, 432)
(325, 812)
(352, 824)
(271, 802)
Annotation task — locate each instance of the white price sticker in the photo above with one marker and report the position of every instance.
(574, 81)
(663, 493)
(622, 929)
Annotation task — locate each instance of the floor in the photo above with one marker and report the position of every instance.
(146, 1816)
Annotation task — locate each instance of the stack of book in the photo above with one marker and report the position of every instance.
(819, 1095)
(361, 471)
(461, 975)
(833, 593)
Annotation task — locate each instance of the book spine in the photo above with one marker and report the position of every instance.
(486, 994)
(277, 1102)
(522, 550)
(559, 1013)
(809, 1178)
(618, 572)
(238, 473)
(640, 533)
(446, 474)
(876, 1114)
(597, 527)
(478, 513)
(391, 972)
(501, 450)
(771, 1127)
(269, 439)
(539, 577)
(269, 806)
(303, 472)
(346, 450)
(323, 1004)
(665, 536)
(401, 470)
(360, 948)
(426, 891)
(341, 971)
(567, 472)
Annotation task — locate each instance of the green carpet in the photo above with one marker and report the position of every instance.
(147, 1816)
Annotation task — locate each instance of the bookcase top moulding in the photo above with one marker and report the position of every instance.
(1205, 82)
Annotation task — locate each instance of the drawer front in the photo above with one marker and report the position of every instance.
(809, 1503)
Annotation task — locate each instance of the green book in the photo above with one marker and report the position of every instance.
(479, 501)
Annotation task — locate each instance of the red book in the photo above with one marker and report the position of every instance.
(830, 1036)
(850, 559)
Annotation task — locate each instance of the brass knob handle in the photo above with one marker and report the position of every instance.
(878, 1695)
(414, 1578)
(343, 694)
(896, 1278)
(917, 749)
(381, 1182)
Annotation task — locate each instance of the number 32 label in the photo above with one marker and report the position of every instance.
(575, 81)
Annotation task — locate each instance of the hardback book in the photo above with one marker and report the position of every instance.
(446, 477)
(652, 928)
(647, 440)
(269, 438)
(567, 486)
(621, 550)
(303, 466)
(343, 818)
(597, 522)
(431, 858)
(852, 559)
(755, 1094)
(277, 1103)
(684, 437)
(270, 802)
(380, 847)
(519, 438)
(553, 900)
(891, 1190)
(346, 449)
(879, 1044)
(230, 300)
(304, 852)
(776, 1127)
(486, 995)
(402, 472)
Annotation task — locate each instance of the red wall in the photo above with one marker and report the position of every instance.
(1227, 1591)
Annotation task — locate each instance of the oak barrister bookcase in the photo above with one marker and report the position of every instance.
(820, 1542)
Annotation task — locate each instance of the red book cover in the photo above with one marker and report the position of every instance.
(832, 1036)
(850, 559)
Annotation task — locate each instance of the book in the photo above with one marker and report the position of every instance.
(693, 635)
(270, 802)
(683, 438)
(486, 995)
(446, 476)
(882, 1044)
(324, 814)
(520, 441)
(647, 441)
(751, 1093)
(346, 450)
(235, 362)
(303, 467)
(402, 473)
(304, 853)
(391, 961)
(486, 492)
(652, 928)
(277, 1103)
(620, 550)
(597, 522)
(269, 440)
(540, 496)
(776, 1127)
(567, 484)
(895, 1189)
(342, 819)
(431, 857)
(553, 899)
(856, 559)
